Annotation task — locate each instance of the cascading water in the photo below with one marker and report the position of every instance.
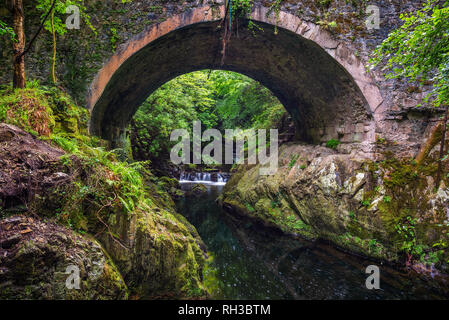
(215, 178)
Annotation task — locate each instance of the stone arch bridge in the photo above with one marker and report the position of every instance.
(312, 55)
(320, 81)
(320, 78)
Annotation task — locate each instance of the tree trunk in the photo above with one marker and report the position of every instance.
(19, 45)
(443, 141)
(53, 60)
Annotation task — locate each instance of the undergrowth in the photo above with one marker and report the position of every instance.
(100, 183)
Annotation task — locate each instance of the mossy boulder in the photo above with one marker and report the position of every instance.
(42, 111)
(357, 203)
(36, 258)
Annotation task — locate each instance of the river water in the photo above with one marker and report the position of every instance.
(249, 261)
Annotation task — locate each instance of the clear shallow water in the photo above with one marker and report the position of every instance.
(252, 262)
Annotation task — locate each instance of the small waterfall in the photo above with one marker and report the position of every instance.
(217, 178)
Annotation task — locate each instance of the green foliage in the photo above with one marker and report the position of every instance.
(33, 84)
(54, 22)
(406, 230)
(41, 110)
(244, 103)
(6, 30)
(114, 38)
(219, 99)
(276, 8)
(366, 203)
(275, 203)
(419, 50)
(293, 160)
(55, 110)
(294, 223)
(332, 143)
(156, 9)
(325, 3)
(326, 23)
(249, 207)
(241, 8)
(60, 14)
(175, 105)
(100, 190)
(372, 246)
(380, 140)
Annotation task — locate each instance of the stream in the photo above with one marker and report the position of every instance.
(248, 261)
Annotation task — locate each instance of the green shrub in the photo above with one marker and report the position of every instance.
(293, 160)
(332, 143)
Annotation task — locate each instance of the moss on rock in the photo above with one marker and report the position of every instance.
(75, 182)
(37, 258)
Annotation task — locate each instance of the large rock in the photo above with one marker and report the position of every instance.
(354, 202)
(35, 256)
(155, 249)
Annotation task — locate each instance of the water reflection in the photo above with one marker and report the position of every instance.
(252, 262)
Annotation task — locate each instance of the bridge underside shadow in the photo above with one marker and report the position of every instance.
(322, 97)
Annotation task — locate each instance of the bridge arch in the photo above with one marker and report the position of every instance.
(320, 82)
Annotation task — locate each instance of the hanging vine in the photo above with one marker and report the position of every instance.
(241, 9)
(276, 8)
(235, 10)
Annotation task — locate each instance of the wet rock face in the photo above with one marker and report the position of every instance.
(159, 256)
(352, 201)
(35, 255)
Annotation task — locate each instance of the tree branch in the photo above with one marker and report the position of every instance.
(37, 33)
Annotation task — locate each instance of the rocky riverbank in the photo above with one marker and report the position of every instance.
(154, 249)
(65, 200)
(386, 208)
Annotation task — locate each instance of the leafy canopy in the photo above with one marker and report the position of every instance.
(419, 49)
(7, 30)
(219, 99)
